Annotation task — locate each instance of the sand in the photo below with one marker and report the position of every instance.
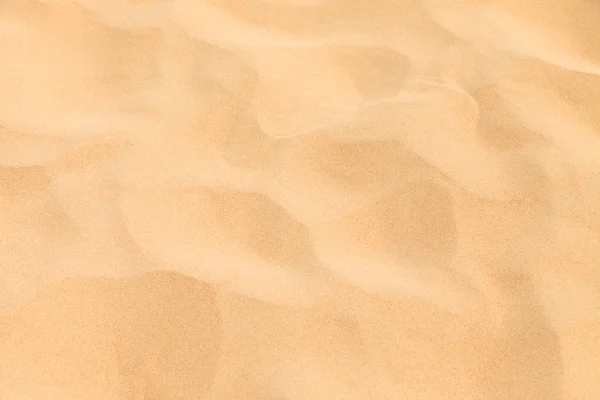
(299, 199)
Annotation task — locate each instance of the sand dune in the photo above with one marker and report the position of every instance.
(299, 199)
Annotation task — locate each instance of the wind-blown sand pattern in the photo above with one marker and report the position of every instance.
(299, 199)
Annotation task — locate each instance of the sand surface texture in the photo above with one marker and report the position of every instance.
(299, 200)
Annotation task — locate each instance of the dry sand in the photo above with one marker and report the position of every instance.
(299, 199)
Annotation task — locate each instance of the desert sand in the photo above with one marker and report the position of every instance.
(299, 200)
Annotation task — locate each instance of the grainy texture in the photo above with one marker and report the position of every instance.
(299, 199)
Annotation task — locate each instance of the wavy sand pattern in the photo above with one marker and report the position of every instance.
(299, 199)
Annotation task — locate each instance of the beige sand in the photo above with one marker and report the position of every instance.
(299, 199)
